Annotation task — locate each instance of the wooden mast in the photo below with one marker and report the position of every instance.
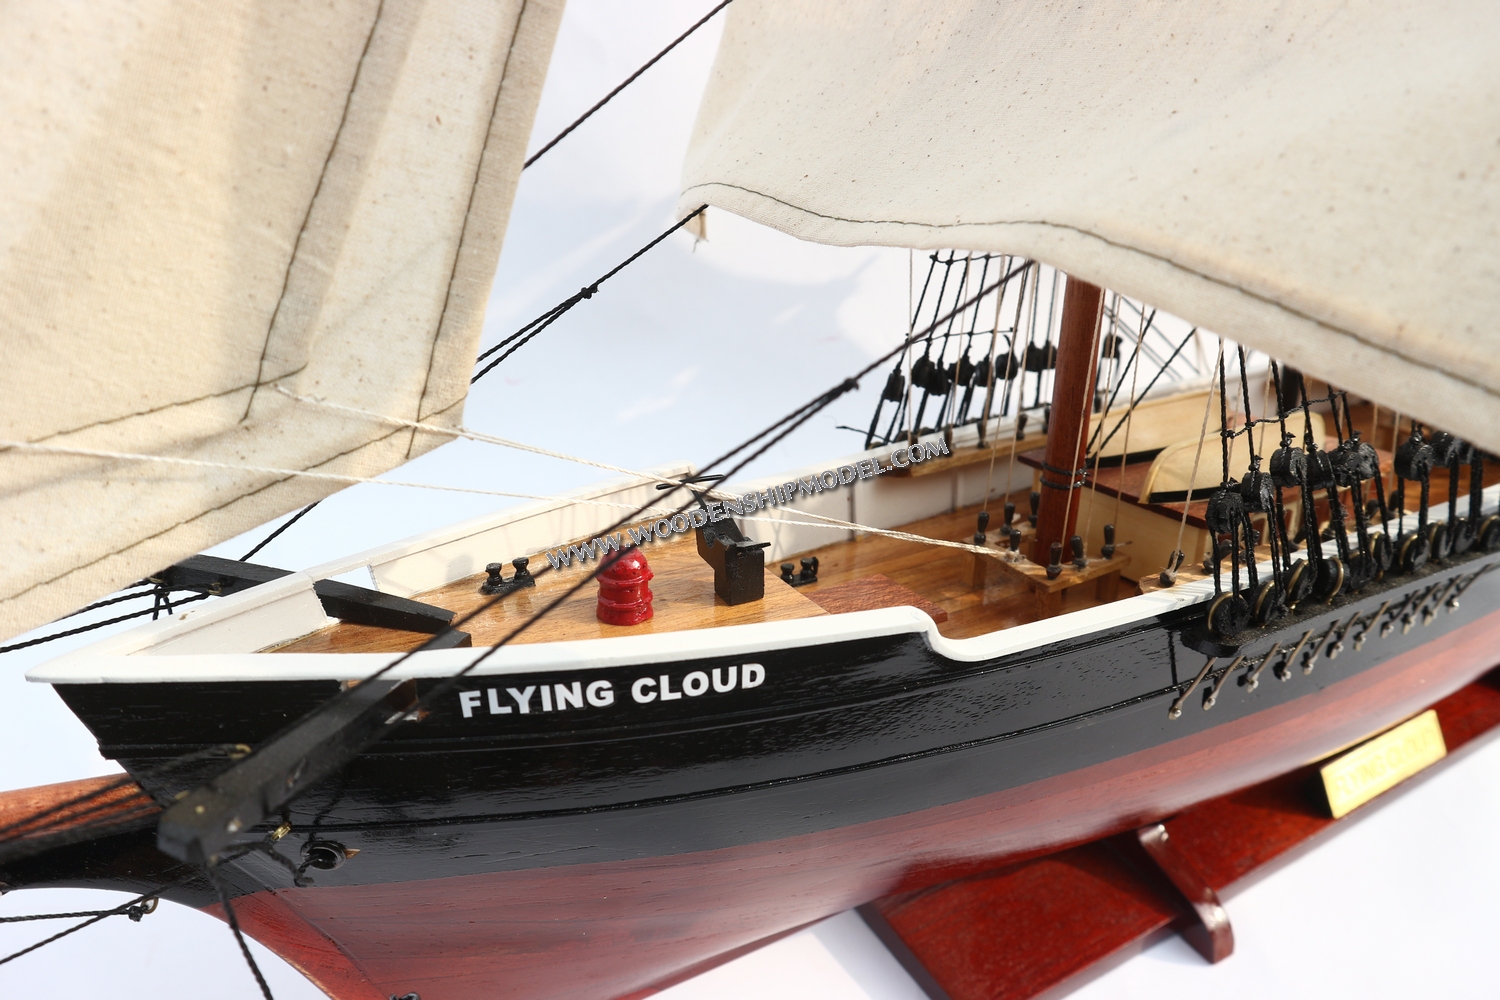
(1068, 429)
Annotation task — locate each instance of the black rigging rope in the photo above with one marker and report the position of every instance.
(1140, 397)
(272, 536)
(96, 916)
(108, 601)
(108, 621)
(546, 319)
(133, 909)
(627, 82)
(234, 927)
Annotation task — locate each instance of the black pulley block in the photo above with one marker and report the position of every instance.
(1228, 616)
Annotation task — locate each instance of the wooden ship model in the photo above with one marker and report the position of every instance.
(1083, 574)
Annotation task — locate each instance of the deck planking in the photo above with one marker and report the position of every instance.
(945, 576)
(683, 586)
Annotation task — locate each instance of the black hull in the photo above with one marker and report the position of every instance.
(837, 735)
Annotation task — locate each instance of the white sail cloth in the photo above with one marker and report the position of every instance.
(202, 201)
(1320, 179)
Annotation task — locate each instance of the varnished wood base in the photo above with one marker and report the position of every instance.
(1048, 925)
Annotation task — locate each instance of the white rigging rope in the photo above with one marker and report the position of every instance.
(57, 449)
(821, 520)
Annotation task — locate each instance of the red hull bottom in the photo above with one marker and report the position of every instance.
(625, 928)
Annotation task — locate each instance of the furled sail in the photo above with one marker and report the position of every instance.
(1320, 180)
(213, 212)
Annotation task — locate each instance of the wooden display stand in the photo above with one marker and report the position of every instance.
(1049, 925)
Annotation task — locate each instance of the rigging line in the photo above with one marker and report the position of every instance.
(1226, 436)
(1187, 502)
(149, 906)
(834, 523)
(122, 781)
(627, 82)
(1011, 364)
(102, 915)
(89, 628)
(1149, 386)
(473, 435)
(1125, 454)
(1047, 342)
(911, 329)
(549, 314)
(150, 895)
(536, 326)
(272, 470)
(989, 394)
(1015, 438)
(108, 601)
(949, 398)
(272, 536)
(953, 411)
(1091, 382)
(1088, 519)
(906, 408)
(1115, 392)
(1146, 349)
(234, 927)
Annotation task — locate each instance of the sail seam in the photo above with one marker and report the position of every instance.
(286, 277)
(463, 232)
(165, 406)
(1222, 282)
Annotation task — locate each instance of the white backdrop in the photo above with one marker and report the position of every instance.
(680, 356)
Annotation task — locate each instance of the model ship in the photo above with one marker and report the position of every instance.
(1073, 583)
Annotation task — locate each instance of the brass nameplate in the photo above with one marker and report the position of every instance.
(1383, 763)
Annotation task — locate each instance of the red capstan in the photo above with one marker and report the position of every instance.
(624, 598)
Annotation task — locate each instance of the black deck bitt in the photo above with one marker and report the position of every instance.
(363, 606)
(739, 565)
(344, 601)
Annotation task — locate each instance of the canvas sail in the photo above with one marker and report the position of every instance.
(1320, 180)
(211, 207)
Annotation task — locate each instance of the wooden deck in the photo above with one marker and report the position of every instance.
(946, 576)
(684, 599)
(964, 598)
(870, 572)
